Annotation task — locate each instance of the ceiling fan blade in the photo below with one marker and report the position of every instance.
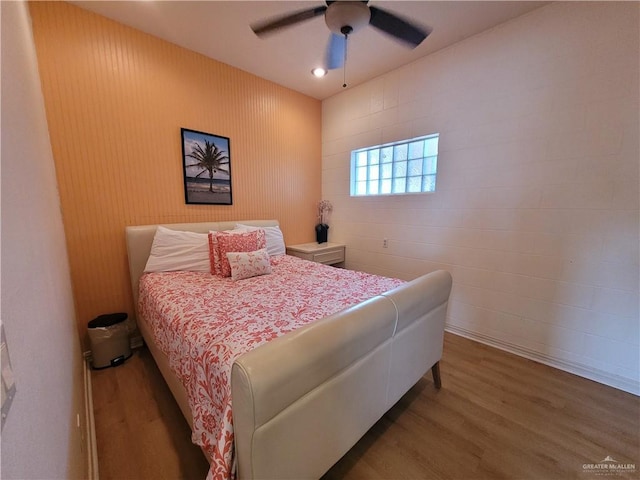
(335, 52)
(397, 27)
(269, 26)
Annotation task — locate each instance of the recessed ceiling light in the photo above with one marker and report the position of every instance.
(319, 72)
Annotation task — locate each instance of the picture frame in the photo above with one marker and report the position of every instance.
(206, 160)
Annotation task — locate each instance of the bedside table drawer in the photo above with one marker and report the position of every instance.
(331, 257)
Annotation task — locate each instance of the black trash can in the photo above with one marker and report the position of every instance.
(109, 337)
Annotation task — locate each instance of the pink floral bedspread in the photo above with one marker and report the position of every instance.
(203, 323)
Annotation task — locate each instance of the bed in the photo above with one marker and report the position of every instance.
(316, 370)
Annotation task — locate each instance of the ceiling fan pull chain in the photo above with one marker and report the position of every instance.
(344, 66)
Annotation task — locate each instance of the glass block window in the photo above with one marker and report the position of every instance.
(402, 167)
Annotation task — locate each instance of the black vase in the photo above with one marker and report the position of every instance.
(322, 230)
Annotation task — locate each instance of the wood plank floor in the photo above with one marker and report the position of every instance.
(497, 416)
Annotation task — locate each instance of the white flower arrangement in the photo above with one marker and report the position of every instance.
(324, 208)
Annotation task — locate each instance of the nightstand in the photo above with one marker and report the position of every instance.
(327, 253)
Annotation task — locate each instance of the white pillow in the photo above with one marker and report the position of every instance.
(249, 264)
(174, 250)
(275, 239)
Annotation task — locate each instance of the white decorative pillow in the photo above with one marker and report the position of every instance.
(275, 239)
(174, 250)
(249, 264)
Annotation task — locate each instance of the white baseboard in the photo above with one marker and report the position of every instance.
(584, 371)
(92, 448)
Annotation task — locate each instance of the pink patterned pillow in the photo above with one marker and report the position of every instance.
(221, 243)
(249, 264)
(214, 257)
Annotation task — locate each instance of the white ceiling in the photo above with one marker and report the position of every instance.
(220, 30)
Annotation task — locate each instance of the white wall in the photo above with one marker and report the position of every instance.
(536, 209)
(40, 438)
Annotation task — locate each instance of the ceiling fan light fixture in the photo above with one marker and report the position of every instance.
(319, 72)
(347, 14)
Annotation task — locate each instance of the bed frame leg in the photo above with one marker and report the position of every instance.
(435, 371)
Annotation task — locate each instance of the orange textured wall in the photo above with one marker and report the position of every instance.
(116, 99)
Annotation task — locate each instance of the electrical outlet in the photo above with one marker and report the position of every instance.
(385, 243)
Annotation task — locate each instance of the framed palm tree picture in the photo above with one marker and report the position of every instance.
(207, 168)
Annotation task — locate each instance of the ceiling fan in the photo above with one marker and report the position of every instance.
(344, 17)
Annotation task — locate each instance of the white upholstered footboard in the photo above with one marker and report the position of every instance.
(303, 400)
